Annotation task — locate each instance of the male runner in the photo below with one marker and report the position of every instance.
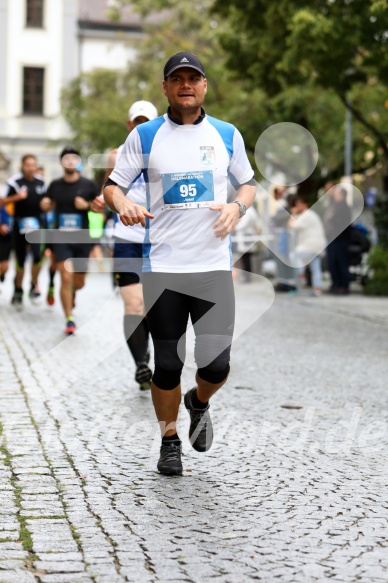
(48, 252)
(127, 253)
(26, 191)
(71, 196)
(6, 224)
(185, 157)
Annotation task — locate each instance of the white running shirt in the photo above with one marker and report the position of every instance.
(136, 233)
(185, 168)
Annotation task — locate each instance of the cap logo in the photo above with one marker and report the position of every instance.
(184, 60)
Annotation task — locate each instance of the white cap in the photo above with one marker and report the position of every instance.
(144, 108)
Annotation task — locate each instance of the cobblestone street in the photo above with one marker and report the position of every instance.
(294, 488)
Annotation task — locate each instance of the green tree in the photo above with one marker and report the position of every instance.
(337, 45)
(95, 106)
(251, 88)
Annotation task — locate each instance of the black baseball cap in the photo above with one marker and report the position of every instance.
(69, 150)
(183, 60)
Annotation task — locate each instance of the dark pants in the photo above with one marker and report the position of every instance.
(21, 247)
(246, 261)
(208, 299)
(338, 264)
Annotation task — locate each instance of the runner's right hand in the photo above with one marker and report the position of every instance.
(130, 213)
(81, 204)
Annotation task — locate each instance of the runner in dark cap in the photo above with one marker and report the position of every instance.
(185, 157)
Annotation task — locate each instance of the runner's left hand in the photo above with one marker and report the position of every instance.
(227, 221)
(98, 204)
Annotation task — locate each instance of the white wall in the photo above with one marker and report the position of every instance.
(62, 50)
(106, 54)
(30, 47)
(35, 47)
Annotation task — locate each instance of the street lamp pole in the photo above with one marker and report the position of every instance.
(348, 144)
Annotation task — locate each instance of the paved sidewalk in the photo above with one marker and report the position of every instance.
(293, 490)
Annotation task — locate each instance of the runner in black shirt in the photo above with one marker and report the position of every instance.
(71, 196)
(26, 191)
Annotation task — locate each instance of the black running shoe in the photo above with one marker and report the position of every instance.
(17, 299)
(201, 428)
(170, 462)
(143, 376)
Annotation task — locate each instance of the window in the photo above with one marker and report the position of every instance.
(34, 13)
(33, 87)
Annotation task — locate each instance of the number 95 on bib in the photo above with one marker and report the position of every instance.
(188, 190)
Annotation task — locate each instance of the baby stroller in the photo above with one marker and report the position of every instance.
(359, 246)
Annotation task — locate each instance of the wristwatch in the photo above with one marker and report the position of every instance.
(243, 208)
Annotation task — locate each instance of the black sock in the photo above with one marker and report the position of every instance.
(52, 275)
(167, 439)
(197, 404)
(136, 334)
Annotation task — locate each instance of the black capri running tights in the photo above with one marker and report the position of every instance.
(208, 298)
(21, 247)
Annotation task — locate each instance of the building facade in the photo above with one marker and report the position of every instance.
(44, 44)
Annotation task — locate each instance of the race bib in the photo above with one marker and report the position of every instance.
(28, 224)
(188, 190)
(69, 222)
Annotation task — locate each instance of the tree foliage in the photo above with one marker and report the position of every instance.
(95, 106)
(289, 60)
(339, 46)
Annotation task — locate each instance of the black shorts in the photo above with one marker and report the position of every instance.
(128, 262)
(5, 247)
(22, 246)
(63, 251)
(170, 298)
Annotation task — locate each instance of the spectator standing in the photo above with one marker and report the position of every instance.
(310, 241)
(247, 229)
(285, 274)
(337, 217)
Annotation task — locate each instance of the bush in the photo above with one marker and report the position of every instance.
(378, 262)
(380, 212)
